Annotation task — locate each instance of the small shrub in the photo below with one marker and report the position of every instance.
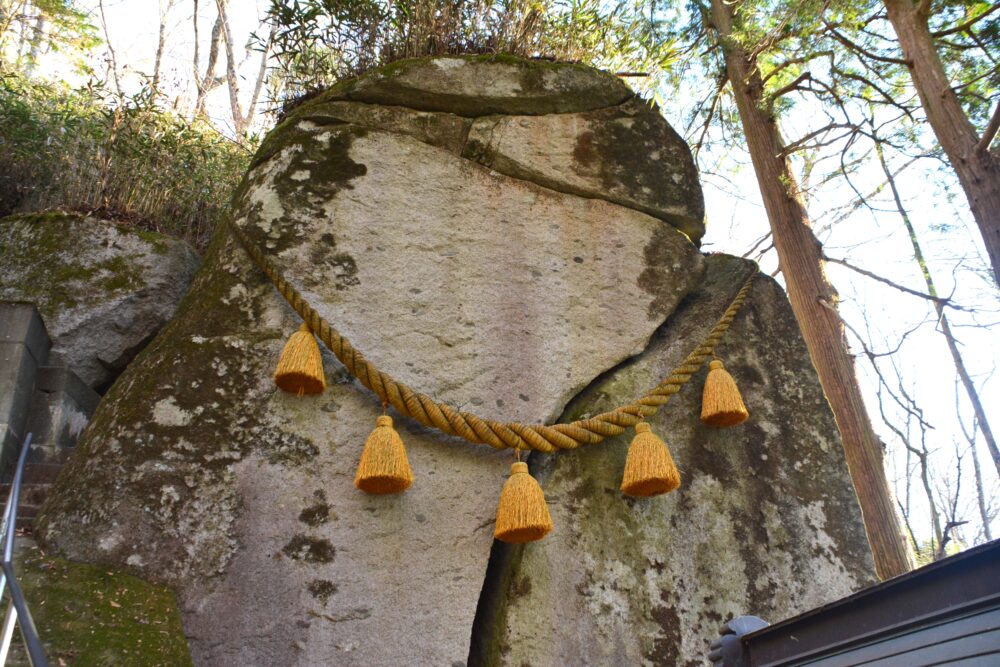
(86, 150)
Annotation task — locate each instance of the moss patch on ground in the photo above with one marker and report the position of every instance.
(89, 615)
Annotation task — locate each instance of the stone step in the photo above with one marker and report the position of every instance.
(41, 473)
(48, 454)
(29, 504)
(52, 403)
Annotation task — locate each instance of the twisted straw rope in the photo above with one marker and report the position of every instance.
(478, 430)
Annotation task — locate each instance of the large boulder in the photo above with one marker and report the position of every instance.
(765, 522)
(102, 289)
(504, 296)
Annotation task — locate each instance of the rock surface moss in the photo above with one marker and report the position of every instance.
(627, 154)
(47, 262)
(614, 147)
(91, 616)
(487, 84)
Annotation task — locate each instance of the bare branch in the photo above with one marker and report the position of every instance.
(260, 77)
(111, 49)
(798, 143)
(945, 328)
(209, 81)
(723, 79)
(902, 288)
(756, 245)
(233, 84)
(977, 470)
(946, 535)
(160, 44)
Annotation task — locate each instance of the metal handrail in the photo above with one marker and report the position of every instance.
(17, 610)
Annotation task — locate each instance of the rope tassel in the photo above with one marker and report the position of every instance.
(649, 468)
(721, 403)
(300, 368)
(522, 515)
(384, 467)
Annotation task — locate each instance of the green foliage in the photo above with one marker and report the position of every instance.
(318, 42)
(28, 28)
(851, 53)
(85, 150)
(927, 551)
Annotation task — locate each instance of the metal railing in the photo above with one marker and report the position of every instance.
(17, 609)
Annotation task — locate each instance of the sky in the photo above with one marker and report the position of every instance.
(736, 220)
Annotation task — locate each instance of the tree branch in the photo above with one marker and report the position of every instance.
(784, 90)
(795, 61)
(723, 80)
(801, 141)
(889, 99)
(962, 27)
(902, 288)
(111, 50)
(260, 78)
(757, 245)
(234, 91)
(990, 132)
(209, 81)
(863, 51)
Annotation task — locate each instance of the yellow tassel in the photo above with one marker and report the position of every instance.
(522, 515)
(384, 467)
(300, 368)
(649, 468)
(721, 403)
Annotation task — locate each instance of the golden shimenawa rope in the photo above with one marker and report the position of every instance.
(478, 430)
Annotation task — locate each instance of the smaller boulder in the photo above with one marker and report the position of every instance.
(103, 290)
(490, 84)
(627, 154)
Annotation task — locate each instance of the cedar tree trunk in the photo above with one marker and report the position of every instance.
(813, 300)
(977, 169)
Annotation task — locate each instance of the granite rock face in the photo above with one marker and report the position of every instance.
(103, 290)
(503, 295)
(765, 522)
